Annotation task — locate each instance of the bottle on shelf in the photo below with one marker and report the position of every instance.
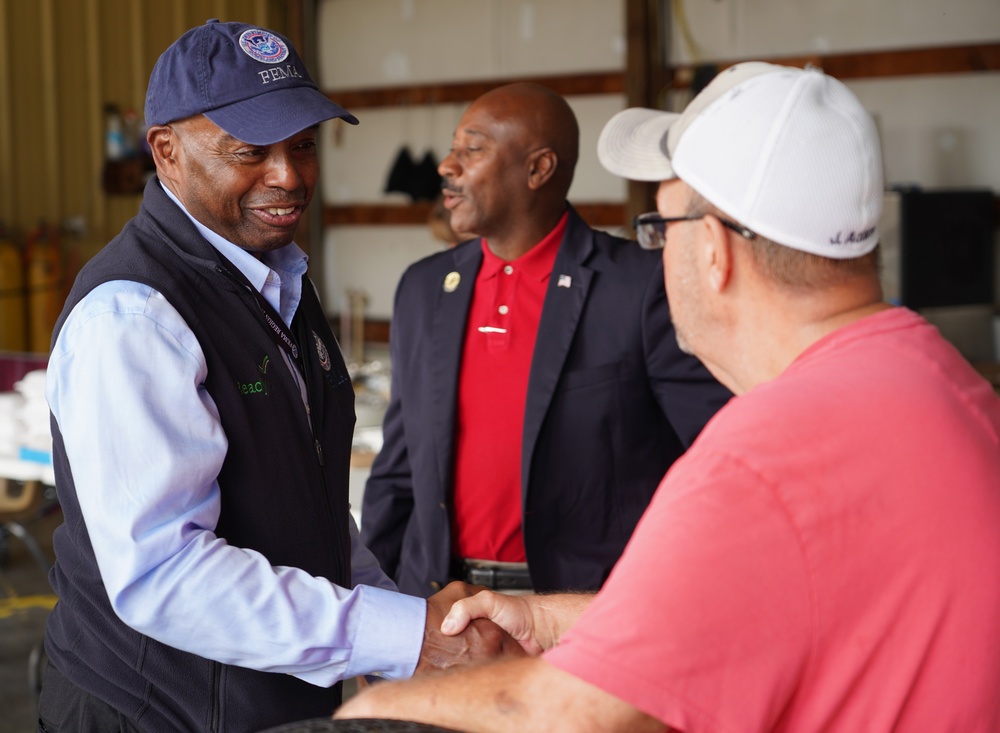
(114, 133)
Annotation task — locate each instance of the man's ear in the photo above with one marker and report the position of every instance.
(163, 145)
(718, 253)
(542, 164)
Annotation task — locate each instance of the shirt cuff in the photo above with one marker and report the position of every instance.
(390, 634)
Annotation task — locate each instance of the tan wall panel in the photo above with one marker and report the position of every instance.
(77, 136)
(48, 151)
(269, 13)
(117, 73)
(164, 22)
(61, 61)
(6, 135)
(26, 175)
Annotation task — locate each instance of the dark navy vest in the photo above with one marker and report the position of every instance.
(284, 485)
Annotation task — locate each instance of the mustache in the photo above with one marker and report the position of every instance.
(449, 187)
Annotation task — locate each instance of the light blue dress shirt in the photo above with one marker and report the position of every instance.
(125, 384)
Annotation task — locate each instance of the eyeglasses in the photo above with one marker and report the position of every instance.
(651, 228)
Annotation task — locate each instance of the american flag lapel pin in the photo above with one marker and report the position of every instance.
(564, 281)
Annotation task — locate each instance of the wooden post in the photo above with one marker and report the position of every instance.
(645, 28)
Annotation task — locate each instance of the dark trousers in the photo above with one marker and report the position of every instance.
(65, 708)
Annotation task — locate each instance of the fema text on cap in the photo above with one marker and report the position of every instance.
(277, 73)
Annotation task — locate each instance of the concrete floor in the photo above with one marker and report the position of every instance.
(25, 601)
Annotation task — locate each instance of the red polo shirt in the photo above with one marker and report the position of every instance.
(493, 383)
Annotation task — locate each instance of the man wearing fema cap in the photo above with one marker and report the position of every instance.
(209, 574)
(826, 556)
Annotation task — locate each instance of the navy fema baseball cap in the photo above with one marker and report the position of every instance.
(247, 80)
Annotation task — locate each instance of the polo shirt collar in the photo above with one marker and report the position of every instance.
(537, 262)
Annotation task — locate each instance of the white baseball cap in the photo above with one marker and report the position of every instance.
(633, 144)
(790, 153)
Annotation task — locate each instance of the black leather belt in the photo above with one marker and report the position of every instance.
(494, 577)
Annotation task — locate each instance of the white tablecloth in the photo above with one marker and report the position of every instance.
(19, 470)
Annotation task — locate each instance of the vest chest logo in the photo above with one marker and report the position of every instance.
(255, 386)
(322, 353)
(333, 372)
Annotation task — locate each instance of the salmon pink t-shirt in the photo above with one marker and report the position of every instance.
(826, 556)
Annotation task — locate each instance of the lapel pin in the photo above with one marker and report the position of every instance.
(564, 281)
(451, 281)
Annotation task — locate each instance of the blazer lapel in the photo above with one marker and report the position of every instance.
(447, 336)
(564, 300)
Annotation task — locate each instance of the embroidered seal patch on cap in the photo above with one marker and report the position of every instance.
(263, 46)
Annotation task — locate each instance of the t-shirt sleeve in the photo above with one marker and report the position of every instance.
(705, 622)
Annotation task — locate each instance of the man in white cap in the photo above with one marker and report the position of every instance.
(826, 556)
(209, 574)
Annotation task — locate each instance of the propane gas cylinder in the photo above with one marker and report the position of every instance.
(45, 286)
(12, 298)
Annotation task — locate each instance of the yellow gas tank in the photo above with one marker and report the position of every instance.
(12, 297)
(45, 286)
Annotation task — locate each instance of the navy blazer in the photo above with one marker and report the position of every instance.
(611, 403)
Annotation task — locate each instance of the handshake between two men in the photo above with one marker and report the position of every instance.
(519, 691)
(465, 639)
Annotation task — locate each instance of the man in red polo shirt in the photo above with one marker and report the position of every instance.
(538, 391)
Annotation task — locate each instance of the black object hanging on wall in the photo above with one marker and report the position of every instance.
(402, 172)
(426, 180)
(418, 180)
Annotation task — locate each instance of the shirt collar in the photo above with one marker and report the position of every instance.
(537, 262)
(289, 259)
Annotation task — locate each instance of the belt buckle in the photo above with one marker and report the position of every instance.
(481, 576)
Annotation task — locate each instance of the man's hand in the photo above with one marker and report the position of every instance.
(511, 613)
(481, 639)
(536, 622)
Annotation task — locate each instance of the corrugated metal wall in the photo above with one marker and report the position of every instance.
(61, 62)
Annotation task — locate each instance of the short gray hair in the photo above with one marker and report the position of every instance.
(793, 268)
